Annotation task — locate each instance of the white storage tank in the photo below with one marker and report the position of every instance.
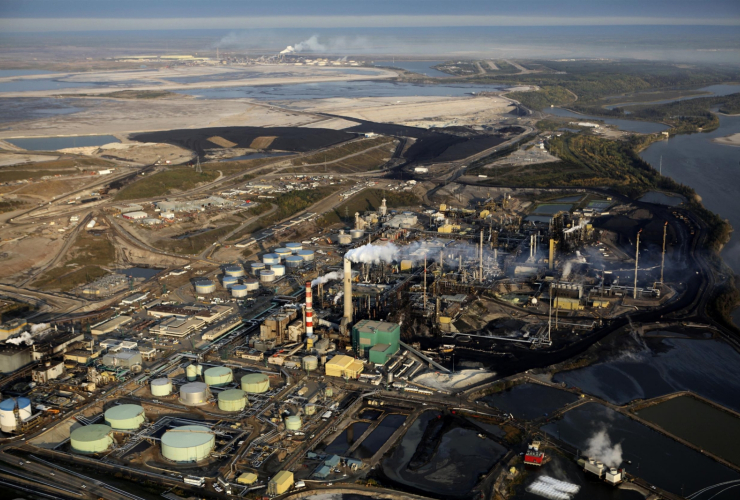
(293, 423)
(252, 284)
(188, 443)
(278, 269)
(218, 376)
(191, 372)
(194, 394)
(344, 238)
(205, 286)
(230, 281)
(7, 414)
(294, 247)
(310, 363)
(257, 267)
(255, 383)
(293, 261)
(270, 258)
(95, 438)
(161, 387)
(357, 234)
(238, 291)
(306, 255)
(309, 409)
(125, 417)
(283, 252)
(232, 400)
(234, 270)
(267, 276)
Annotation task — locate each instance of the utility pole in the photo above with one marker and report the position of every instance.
(662, 258)
(637, 256)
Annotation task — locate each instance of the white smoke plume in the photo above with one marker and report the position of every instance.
(600, 447)
(39, 327)
(339, 296)
(566, 269)
(23, 337)
(334, 45)
(374, 254)
(334, 275)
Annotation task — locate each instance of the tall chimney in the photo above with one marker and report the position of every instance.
(348, 290)
(637, 257)
(480, 261)
(309, 310)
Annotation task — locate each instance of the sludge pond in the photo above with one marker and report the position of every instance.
(442, 455)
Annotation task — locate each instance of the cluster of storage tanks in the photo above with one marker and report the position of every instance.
(292, 255)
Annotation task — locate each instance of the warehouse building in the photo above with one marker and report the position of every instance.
(12, 327)
(125, 359)
(280, 483)
(376, 340)
(138, 215)
(110, 325)
(177, 327)
(344, 366)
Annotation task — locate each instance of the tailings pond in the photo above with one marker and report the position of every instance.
(442, 455)
(662, 366)
(530, 401)
(700, 424)
(377, 438)
(54, 143)
(347, 438)
(657, 458)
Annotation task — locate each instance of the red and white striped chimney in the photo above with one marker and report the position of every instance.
(309, 310)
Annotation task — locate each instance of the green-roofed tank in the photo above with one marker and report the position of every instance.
(188, 443)
(255, 383)
(232, 400)
(125, 417)
(95, 438)
(293, 423)
(218, 376)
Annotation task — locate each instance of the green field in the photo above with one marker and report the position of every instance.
(342, 151)
(197, 243)
(164, 183)
(367, 200)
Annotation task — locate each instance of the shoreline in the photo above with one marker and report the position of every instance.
(732, 140)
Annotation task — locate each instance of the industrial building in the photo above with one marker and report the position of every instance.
(343, 366)
(12, 327)
(110, 325)
(376, 340)
(137, 215)
(177, 326)
(124, 359)
(280, 483)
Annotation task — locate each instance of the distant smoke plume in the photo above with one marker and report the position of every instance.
(335, 275)
(23, 337)
(600, 447)
(334, 45)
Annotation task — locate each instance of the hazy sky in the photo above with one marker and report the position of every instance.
(96, 15)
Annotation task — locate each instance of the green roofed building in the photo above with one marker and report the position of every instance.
(376, 340)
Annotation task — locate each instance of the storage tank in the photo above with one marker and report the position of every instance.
(7, 414)
(357, 234)
(191, 372)
(125, 417)
(239, 291)
(293, 261)
(306, 255)
(278, 269)
(257, 267)
(234, 270)
(188, 443)
(161, 387)
(294, 247)
(293, 423)
(232, 400)
(255, 383)
(252, 284)
(310, 363)
(283, 252)
(328, 392)
(271, 258)
(194, 394)
(310, 409)
(344, 238)
(218, 376)
(205, 286)
(95, 438)
(267, 276)
(230, 281)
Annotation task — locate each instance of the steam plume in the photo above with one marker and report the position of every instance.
(23, 337)
(334, 275)
(600, 447)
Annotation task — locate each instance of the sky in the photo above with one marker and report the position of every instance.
(104, 15)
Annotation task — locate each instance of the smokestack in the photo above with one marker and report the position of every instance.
(637, 255)
(551, 259)
(309, 310)
(480, 260)
(425, 284)
(531, 247)
(662, 259)
(348, 290)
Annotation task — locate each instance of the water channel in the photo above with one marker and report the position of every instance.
(421, 67)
